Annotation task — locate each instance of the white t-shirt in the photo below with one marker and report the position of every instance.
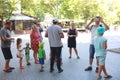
(20, 51)
(93, 30)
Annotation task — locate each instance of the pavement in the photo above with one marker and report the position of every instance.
(73, 68)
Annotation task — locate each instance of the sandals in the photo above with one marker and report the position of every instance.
(22, 67)
(99, 78)
(11, 68)
(109, 76)
(7, 71)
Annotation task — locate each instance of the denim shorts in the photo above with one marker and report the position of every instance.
(91, 51)
(101, 60)
(41, 60)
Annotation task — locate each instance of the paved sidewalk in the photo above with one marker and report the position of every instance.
(73, 68)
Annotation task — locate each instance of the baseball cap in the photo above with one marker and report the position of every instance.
(41, 44)
(100, 30)
(55, 19)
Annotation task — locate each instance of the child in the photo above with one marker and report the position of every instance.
(19, 52)
(27, 53)
(41, 55)
(100, 44)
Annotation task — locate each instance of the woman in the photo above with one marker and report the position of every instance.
(35, 40)
(72, 34)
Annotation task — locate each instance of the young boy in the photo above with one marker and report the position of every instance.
(100, 44)
(27, 53)
(41, 55)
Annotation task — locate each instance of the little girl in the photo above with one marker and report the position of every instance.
(20, 52)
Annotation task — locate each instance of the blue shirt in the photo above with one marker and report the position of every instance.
(98, 44)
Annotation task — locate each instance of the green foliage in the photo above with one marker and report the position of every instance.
(6, 8)
(117, 22)
(65, 9)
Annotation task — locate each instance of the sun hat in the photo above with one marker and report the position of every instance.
(100, 30)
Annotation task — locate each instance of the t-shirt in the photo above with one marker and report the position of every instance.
(41, 53)
(98, 44)
(93, 30)
(5, 43)
(27, 50)
(54, 32)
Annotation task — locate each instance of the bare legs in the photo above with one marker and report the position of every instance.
(35, 57)
(7, 61)
(76, 52)
(21, 66)
(100, 69)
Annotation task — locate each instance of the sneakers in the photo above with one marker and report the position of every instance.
(88, 68)
(69, 57)
(96, 70)
(51, 70)
(41, 70)
(61, 70)
(78, 57)
(28, 64)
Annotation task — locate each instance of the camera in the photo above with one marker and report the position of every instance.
(96, 19)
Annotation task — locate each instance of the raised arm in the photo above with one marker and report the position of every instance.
(106, 26)
(87, 26)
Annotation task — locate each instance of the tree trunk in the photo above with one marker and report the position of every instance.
(85, 22)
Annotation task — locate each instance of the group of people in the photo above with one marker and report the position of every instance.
(54, 33)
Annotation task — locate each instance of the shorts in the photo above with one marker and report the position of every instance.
(27, 56)
(101, 60)
(91, 51)
(7, 53)
(41, 60)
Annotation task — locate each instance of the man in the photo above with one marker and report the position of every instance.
(5, 45)
(54, 34)
(93, 30)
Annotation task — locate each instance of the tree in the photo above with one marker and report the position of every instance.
(6, 9)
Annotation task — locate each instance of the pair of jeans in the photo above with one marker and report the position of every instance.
(55, 52)
(91, 51)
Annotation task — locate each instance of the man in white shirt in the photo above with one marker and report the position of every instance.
(93, 30)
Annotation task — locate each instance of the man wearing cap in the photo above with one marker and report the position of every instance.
(54, 34)
(93, 30)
